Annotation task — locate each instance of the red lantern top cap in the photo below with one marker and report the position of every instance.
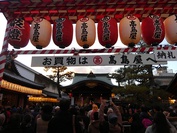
(85, 19)
(131, 17)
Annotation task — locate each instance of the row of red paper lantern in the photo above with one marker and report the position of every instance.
(152, 29)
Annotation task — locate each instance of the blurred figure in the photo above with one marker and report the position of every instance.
(84, 119)
(137, 125)
(114, 118)
(2, 117)
(64, 121)
(27, 126)
(43, 120)
(94, 109)
(104, 127)
(160, 125)
(13, 126)
(94, 125)
(56, 109)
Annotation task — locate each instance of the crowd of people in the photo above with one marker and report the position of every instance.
(106, 117)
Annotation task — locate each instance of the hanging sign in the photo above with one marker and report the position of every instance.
(95, 60)
(165, 55)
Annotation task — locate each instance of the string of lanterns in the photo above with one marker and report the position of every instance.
(42, 99)
(19, 88)
(152, 29)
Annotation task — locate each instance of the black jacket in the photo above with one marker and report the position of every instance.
(62, 123)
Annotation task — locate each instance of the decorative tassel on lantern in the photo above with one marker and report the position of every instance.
(19, 33)
(153, 31)
(107, 31)
(62, 32)
(130, 30)
(40, 33)
(85, 32)
(170, 24)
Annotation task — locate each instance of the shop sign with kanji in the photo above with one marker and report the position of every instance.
(165, 55)
(95, 60)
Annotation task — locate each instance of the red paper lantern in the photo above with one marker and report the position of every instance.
(107, 31)
(153, 31)
(130, 30)
(19, 33)
(40, 33)
(170, 24)
(85, 32)
(62, 32)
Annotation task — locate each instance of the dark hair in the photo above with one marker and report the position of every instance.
(46, 112)
(64, 104)
(27, 118)
(160, 123)
(47, 109)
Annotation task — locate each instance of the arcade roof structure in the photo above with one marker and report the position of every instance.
(95, 9)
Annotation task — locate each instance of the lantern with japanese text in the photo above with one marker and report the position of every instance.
(170, 24)
(19, 33)
(40, 33)
(153, 31)
(85, 32)
(107, 31)
(130, 30)
(62, 32)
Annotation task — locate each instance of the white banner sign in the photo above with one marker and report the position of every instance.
(95, 60)
(165, 55)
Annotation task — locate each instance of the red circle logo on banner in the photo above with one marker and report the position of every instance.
(97, 60)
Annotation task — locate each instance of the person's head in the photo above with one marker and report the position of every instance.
(47, 109)
(94, 107)
(46, 112)
(27, 119)
(64, 104)
(57, 108)
(160, 123)
(110, 110)
(159, 118)
(156, 108)
(112, 118)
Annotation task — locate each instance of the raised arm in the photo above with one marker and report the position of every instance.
(117, 112)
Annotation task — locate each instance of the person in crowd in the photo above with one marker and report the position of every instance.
(136, 124)
(94, 125)
(114, 117)
(56, 109)
(14, 124)
(43, 120)
(84, 119)
(94, 109)
(146, 120)
(155, 109)
(27, 125)
(64, 121)
(160, 125)
(104, 126)
(2, 117)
